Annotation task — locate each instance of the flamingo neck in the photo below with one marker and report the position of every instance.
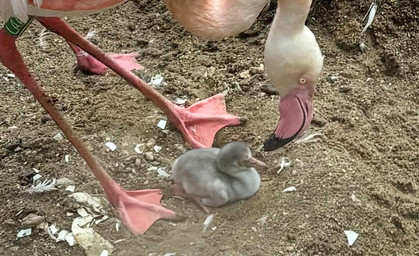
(291, 16)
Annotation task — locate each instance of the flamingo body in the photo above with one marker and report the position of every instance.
(216, 19)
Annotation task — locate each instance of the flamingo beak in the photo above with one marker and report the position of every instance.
(253, 162)
(296, 111)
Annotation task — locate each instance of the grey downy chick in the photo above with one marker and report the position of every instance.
(214, 177)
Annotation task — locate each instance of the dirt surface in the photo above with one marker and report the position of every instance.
(359, 173)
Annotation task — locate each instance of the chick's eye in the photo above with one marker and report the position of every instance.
(303, 80)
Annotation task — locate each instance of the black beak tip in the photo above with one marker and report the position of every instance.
(273, 143)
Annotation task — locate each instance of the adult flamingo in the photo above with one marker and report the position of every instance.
(138, 209)
(293, 60)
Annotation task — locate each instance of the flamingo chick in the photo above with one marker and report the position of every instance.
(214, 177)
(293, 60)
(198, 123)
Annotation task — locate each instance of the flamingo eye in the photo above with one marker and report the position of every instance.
(303, 80)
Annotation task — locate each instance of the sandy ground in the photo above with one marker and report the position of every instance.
(359, 173)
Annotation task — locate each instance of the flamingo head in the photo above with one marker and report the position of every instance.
(293, 62)
(296, 113)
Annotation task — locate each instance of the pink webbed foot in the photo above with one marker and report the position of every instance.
(200, 122)
(91, 65)
(139, 209)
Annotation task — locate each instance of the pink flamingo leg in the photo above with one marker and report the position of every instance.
(138, 209)
(198, 123)
(90, 64)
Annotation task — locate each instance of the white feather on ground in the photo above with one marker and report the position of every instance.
(45, 186)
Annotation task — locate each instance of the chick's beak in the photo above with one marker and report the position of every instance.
(253, 162)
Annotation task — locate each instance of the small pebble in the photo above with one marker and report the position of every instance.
(32, 220)
(333, 79)
(289, 248)
(151, 142)
(9, 222)
(138, 161)
(139, 148)
(45, 119)
(149, 156)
